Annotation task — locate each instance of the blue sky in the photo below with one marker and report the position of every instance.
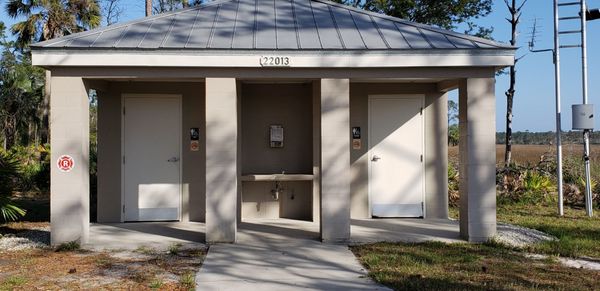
(534, 100)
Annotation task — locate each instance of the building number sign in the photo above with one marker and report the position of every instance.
(274, 61)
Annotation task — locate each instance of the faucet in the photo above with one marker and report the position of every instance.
(277, 190)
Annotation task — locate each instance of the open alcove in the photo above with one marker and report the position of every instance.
(277, 150)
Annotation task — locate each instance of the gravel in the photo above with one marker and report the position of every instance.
(28, 239)
(520, 237)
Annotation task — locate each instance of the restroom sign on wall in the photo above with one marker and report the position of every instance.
(65, 163)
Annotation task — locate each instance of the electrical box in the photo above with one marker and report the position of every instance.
(583, 116)
(276, 134)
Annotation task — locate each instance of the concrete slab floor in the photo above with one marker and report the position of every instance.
(155, 235)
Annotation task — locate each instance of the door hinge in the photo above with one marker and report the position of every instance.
(421, 158)
(421, 111)
(123, 208)
(123, 159)
(123, 110)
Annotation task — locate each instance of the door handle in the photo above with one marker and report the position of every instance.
(375, 158)
(173, 160)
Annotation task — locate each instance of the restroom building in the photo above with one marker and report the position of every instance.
(245, 109)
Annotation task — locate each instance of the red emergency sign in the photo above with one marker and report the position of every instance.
(65, 163)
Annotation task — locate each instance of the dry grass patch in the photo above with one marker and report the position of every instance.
(73, 269)
(51, 270)
(439, 266)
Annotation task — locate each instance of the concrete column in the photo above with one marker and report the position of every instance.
(477, 159)
(221, 160)
(69, 191)
(335, 160)
(316, 189)
(436, 156)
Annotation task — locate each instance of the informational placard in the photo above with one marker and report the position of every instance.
(356, 144)
(65, 163)
(194, 145)
(276, 134)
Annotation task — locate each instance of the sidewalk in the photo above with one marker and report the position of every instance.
(286, 265)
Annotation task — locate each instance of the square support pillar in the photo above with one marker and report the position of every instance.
(477, 159)
(335, 160)
(221, 160)
(69, 187)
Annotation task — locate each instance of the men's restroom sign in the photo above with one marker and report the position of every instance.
(65, 163)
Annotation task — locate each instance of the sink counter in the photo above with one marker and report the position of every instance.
(277, 177)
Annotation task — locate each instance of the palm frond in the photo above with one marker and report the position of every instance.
(16, 8)
(10, 211)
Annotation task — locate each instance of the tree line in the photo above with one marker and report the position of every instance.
(546, 138)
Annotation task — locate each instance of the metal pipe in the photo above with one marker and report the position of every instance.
(559, 170)
(586, 134)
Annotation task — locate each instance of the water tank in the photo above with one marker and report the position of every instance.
(583, 116)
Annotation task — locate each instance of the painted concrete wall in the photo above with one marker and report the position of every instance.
(109, 146)
(436, 147)
(289, 105)
(299, 120)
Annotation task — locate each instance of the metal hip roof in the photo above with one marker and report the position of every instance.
(271, 25)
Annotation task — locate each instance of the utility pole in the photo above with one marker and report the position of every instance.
(559, 167)
(586, 132)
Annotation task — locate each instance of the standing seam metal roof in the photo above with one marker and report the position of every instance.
(271, 25)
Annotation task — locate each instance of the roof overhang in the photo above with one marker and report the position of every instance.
(292, 59)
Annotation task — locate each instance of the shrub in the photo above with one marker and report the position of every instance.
(534, 181)
(68, 246)
(188, 280)
(34, 161)
(453, 182)
(9, 171)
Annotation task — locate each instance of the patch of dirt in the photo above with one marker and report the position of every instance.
(27, 262)
(47, 269)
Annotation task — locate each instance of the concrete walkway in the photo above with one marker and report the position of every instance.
(271, 256)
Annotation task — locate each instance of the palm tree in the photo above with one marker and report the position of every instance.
(48, 19)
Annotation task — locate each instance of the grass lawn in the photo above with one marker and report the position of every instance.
(463, 266)
(579, 235)
(439, 266)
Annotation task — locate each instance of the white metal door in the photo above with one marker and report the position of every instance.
(396, 172)
(151, 157)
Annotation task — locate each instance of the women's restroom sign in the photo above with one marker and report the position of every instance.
(65, 163)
